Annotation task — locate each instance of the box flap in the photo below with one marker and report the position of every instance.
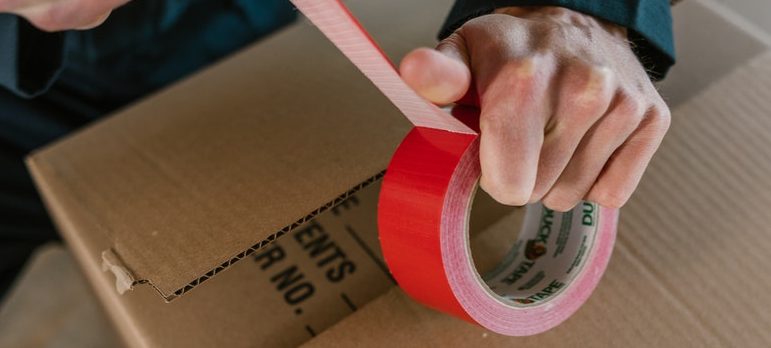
(185, 183)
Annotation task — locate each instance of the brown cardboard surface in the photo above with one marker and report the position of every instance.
(690, 267)
(51, 305)
(278, 297)
(700, 28)
(181, 185)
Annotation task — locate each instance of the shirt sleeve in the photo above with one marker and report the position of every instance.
(30, 59)
(649, 23)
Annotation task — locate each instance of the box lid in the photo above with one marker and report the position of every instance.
(179, 186)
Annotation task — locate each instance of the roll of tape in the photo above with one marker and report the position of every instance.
(423, 219)
(425, 201)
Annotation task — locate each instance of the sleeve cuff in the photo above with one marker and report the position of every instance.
(649, 23)
(30, 60)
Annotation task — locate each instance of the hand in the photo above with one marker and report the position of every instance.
(567, 111)
(57, 15)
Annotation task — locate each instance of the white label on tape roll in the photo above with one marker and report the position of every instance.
(548, 254)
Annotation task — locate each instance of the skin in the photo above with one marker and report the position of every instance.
(567, 111)
(57, 15)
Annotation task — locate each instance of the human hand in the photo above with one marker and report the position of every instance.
(567, 110)
(57, 15)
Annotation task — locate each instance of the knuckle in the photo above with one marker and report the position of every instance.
(528, 69)
(632, 107)
(589, 88)
(662, 117)
(587, 97)
(599, 75)
(635, 107)
(523, 68)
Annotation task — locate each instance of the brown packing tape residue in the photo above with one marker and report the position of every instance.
(112, 263)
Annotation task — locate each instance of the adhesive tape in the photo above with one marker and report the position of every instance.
(425, 200)
(423, 219)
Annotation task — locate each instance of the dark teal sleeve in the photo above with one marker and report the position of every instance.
(30, 59)
(649, 23)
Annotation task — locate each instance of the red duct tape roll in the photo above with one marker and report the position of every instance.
(423, 218)
(425, 200)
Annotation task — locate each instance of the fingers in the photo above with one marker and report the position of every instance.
(594, 150)
(515, 107)
(586, 131)
(624, 170)
(441, 76)
(584, 97)
(57, 15)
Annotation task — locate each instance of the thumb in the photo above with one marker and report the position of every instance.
(442, 76)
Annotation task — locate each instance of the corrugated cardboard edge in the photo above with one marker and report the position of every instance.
(111, 261)
(331, 204)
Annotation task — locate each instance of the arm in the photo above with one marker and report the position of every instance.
(567, 109)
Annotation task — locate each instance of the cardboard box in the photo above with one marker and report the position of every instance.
(181, 186)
